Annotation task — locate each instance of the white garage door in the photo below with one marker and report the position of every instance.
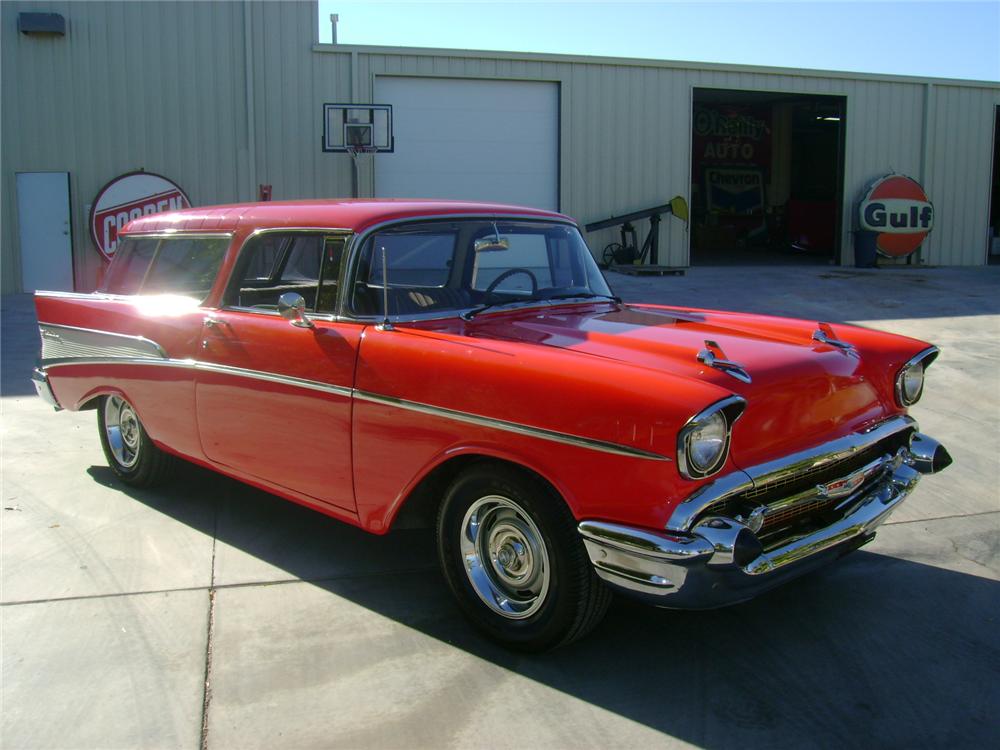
(471, 140)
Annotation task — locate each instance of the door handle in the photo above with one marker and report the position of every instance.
(214, 323)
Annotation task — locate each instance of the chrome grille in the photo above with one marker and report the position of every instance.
(811, 508)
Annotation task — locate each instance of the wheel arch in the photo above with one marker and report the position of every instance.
(418, 506)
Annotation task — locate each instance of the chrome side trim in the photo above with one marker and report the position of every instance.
(312, 385)
(63, 342)
(685, 514)
(191, 364)
(514, 427)
(82, 295)
(67, 361)
(136, 350)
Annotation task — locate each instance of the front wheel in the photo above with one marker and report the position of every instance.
(131, 454)
(512, 557)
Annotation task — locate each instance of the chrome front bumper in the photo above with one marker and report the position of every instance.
(721, 561)
(41, 382)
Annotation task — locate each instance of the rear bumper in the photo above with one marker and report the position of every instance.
(41, 382)
(722, 562)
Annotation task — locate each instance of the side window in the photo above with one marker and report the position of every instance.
(333, 253)
(185, 265)
(303, 259)
(129, 267)
(273, 263)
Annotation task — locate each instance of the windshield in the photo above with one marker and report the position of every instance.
(448, 266)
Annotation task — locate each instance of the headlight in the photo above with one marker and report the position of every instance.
(706, 442)
(910, 380)
(703, 443)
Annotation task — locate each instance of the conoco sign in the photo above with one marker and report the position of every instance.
(896, 209)
(129, 197)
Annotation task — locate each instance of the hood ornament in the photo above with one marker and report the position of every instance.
(825, 335)
(713, 356)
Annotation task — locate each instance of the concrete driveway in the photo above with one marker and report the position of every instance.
(209, 614)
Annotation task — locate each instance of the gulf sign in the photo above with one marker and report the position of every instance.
(129, 197)
(898, 211)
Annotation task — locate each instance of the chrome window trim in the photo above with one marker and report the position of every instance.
(508, 426)
(167, 234)
(687, 512)
(927, 356)
(352, 252)
(727, 406)
(322, 317)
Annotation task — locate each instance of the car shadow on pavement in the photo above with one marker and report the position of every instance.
(875, 650)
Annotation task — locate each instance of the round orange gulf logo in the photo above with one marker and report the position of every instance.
(898, 211)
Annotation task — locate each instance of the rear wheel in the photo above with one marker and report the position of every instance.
(511, 555)
(129, 451)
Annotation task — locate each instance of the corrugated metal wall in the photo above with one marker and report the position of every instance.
(626, 137)
(167, 86)
(158, 86)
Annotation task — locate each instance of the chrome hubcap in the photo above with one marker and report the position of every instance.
(505, 557)
(121, 426)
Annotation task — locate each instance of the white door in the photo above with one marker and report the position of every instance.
(43, 220)
(471, 139)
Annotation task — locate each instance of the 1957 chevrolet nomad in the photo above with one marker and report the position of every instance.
(468, 363)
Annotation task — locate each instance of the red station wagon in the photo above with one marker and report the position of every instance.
(468, 363)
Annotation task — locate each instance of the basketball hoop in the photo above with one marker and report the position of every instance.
(357, 129)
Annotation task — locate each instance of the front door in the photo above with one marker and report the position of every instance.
(44, 227)
(273, 399)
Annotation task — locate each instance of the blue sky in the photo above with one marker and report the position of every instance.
(943, 39)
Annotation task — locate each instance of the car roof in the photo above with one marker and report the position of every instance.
(353, 215)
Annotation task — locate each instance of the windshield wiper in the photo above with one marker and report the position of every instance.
(470, 314)
(587, 295)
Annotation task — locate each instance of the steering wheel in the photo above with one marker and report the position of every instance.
(506, 275)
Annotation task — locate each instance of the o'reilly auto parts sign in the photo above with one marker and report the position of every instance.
(129, 197)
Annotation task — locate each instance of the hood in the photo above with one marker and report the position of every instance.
(801, 391)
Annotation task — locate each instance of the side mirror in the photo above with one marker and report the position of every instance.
(292, 308)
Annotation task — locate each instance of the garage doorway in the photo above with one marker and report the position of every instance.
(471, 139)
(993, 242)
(767, 178)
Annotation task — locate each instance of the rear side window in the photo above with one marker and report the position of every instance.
(185, 266)
(176, 265)
(129, 268)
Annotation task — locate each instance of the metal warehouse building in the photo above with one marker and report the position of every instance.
(226, 97)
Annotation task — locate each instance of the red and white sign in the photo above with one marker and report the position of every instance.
(129, 197)
(897, 209)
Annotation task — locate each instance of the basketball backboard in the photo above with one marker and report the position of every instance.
(351, 127)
